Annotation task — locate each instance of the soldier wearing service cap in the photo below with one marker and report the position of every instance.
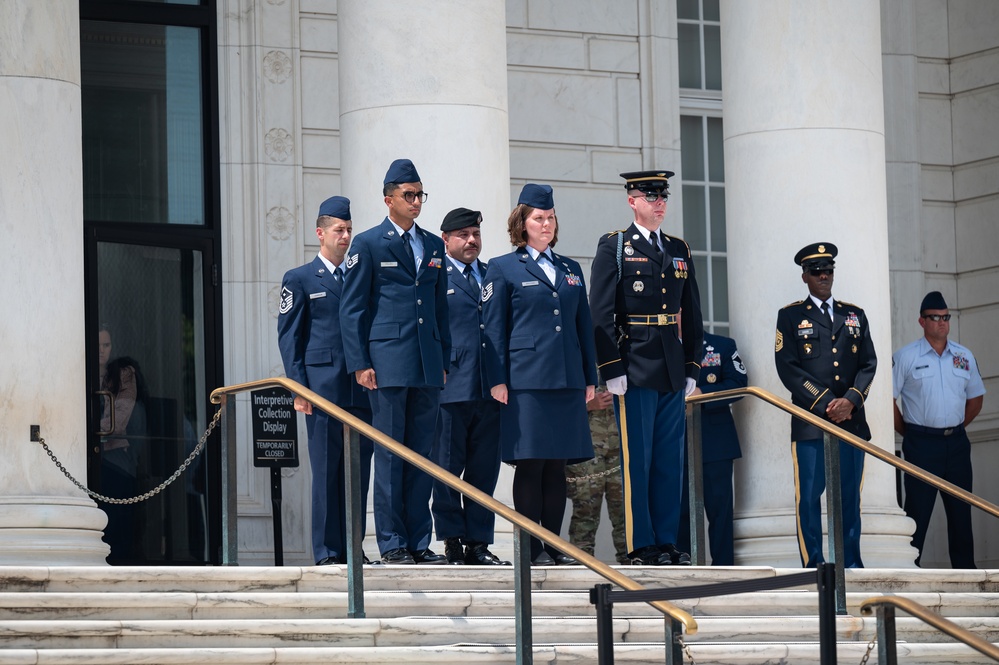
(937, 383)
(825, 357)
(648, 329)
(467, 442)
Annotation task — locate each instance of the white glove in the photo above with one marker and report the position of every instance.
(689, 387)
(618, 385)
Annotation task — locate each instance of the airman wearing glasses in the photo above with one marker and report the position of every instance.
(396, 337)
(940, 390)
(648, 330)
(825, 357)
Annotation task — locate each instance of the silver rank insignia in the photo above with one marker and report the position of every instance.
(629, 250)
(638, 287)
(487, 292)
(351, 261)
(287, 299)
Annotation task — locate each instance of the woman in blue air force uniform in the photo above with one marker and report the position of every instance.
(540, 363)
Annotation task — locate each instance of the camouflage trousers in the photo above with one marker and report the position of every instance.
(589, 483)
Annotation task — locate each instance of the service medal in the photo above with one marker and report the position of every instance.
(638, 287)
(629, 250)
(712, 378)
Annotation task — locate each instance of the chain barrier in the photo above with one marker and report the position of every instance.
(593, 476)
(870, 648)
(686, 649)
(151, 493)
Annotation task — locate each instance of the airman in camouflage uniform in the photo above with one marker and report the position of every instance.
(589, 482)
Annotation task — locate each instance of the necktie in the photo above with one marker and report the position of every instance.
(471, 280)
(825, 309)
(337, 280)
(407, 241)
(654, 241)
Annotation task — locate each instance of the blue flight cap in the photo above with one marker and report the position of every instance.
(336, 206)
(401, 171)
(933, 300)
(537, 196)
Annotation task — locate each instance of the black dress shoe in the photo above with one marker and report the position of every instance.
(478, 554)
(399, 557)
(650, 555)
(428, 558)
(454, 552)
(543, 559)
(677, 558)
(329, 561)
(564, 560)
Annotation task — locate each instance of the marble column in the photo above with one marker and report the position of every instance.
(805, 162)
(44, 520)
(426, 80)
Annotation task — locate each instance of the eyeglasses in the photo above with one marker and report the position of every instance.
(652, 197)
(822, 271)
(937, 317)
(411, 197)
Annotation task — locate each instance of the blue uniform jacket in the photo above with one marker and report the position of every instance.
(721, 369)
(466, 376)
(309, 335)
(649, 286)
(539, 336)
(394, 318)
(818, 360)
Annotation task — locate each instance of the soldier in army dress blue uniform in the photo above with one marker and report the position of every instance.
(825, 357)
(648, 329)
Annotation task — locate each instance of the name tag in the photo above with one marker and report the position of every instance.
(390, 264)
(450, 292)
(313, 296)
(533, 283)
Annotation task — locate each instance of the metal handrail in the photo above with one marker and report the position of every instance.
(855, 441)
(477, 495)
(886, 626)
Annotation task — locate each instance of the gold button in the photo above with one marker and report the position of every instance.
(664, 290)
(837, 377)
(834, 338)
(664, 306)
(835, 350)
(638, 272)
(835, 363)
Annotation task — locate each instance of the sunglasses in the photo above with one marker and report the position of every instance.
(823, 271)
(937, 317)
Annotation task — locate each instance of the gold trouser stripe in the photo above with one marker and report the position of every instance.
(629, 522)
(797, 503)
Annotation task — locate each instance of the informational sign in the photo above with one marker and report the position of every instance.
(275, 428)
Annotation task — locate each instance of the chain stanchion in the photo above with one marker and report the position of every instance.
(151, 493)
(870, 648)
(686, 649)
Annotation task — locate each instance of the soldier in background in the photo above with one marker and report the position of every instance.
(590, 482)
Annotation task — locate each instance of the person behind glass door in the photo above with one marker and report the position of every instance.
(540, 363)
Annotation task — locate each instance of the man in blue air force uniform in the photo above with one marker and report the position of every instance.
(396, 336)
(648, 329)
(312, 353)
(825, 357)
(467, 442)
(721, 369)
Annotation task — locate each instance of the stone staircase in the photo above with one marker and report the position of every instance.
(438, 615)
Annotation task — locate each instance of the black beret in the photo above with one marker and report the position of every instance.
(460, 218)
(933, 300)
(816, 256)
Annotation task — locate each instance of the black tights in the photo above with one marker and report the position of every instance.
(539, 495)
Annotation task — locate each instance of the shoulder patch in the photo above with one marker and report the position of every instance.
(351, 261)
(287, 300)
(487, 292)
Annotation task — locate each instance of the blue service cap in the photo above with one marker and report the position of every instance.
(336, 206)
(647, 181)
(817, 256)
(537, 196)
(933, 300)
(401, 171)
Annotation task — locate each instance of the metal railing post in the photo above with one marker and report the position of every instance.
(599, 596)
(834, 515)
(355, 516)
(887, 651)
(695, 484)
(230, 548)
(826, 581)
(674, 632)
(522, 595)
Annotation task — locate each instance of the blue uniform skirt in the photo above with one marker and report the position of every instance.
(545, 424)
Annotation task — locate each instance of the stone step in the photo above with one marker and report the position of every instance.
(333, 578)
(439, 631)
(388, 604)
(578, 654)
